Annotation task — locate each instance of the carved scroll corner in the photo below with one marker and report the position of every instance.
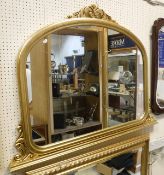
(91, 11)
(22, 148)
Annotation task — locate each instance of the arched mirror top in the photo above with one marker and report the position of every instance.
(109, 94)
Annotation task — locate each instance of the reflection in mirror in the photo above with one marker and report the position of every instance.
(64, 84)
(124, 164)
(125, 79)
(75, 83)
(64, 97)
(160, 79)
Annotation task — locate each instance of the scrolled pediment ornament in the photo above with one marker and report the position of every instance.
(24, 153)
(92, 11)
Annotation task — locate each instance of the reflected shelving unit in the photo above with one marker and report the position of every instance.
(71, 106)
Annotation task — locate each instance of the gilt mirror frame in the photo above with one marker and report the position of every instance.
(31, 154)
(155, 62)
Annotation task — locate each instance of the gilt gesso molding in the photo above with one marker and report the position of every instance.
(24, 154)
(92, 11)
(91, 158)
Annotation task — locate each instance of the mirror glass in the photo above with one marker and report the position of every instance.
(124, 164)
(125, 79)
(160, 79)
(64, 83)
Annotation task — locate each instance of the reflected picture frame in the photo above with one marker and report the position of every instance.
(156, 109)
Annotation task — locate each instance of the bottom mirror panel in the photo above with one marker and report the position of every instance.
(124, 164)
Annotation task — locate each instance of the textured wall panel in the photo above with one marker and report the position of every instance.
(20, 18)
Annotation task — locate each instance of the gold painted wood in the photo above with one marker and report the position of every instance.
(92, 11)
(104, 69)
(41, 160)
(31, 156)
(20, 145)
(96, 156)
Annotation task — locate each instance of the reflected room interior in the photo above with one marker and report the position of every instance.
(125, 83)
(63, 83)
(75, 84)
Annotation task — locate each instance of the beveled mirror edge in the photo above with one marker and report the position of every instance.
(28, 151)
(155, 29)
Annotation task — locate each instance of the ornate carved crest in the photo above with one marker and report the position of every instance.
(92, 11)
